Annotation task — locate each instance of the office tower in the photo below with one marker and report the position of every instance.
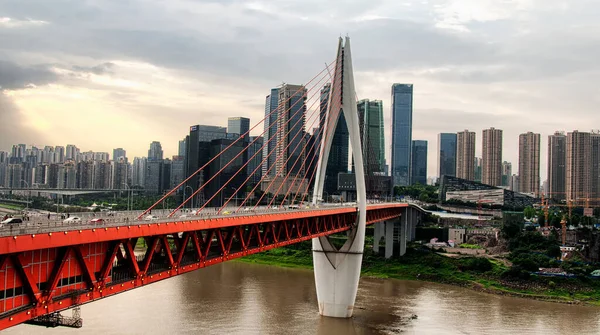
(557, 165)
(402, 107)
(370, 120)
(582, 167)
(270, 134)
(239, 125)
(196, 156)
(181, 148)
(339, 151)
(138, 177)
(290, 135)
(465, 155)
(118, 153)
(419, 162)
(229, 176)
(491, 158)
(506, 173)
(155, 153)
(165, 176)
(529, 163)
(447, 154)
(177, 171)
(255, 156)
(323, 103)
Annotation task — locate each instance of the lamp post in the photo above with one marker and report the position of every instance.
(192, 202)
(28, 195)
(128, 190)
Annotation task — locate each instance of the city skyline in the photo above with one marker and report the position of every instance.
(127, 92)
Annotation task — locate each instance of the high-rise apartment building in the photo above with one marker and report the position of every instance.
(155, 153)
(402, 108)
(118, 153)
(557, 165)
(138, 172)
(465, 155)
(270, 133)
(529, 163)
(447, 154)
(582, 167)
(491, 158)
(419, 162)
(289, 148)
(370, 119)
(506, 173)
(239, 125)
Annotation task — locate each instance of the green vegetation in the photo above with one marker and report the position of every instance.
(11, 206)
(425, 193)
(470, 246)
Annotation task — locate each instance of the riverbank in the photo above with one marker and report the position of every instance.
(479, 274)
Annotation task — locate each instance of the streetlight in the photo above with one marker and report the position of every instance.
(28, 195)
(128, 191)
(192, 202)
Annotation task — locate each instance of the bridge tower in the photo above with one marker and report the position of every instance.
(337, 271)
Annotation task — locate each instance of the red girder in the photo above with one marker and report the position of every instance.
(103, 270)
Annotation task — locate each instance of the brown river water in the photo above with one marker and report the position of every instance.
(239, 298)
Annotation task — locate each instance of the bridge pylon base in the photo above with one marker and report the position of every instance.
(336, 277)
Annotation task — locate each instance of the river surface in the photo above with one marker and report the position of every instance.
(239, 298)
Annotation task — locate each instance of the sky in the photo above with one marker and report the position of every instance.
(103, 74)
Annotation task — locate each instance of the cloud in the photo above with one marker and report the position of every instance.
(8, 22)
(13, 129)
(13, 76)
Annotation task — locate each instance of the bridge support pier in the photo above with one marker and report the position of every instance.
(378, 234)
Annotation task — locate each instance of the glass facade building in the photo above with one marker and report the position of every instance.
(402, 107)
(447, 154)
(370, 119)
(338, 154)
(419, 162)
(239, 125)
(271, 102)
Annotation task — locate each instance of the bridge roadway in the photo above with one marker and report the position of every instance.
(47, 266)
(40, 224)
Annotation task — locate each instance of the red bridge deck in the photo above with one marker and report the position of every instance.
(45, 270)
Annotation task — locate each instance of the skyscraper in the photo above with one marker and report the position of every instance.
(138, 171)
(155, 153)
(239, 125)
(370, 119)
(338, 154)
(253, 168)
(506, 173)
(447, 154)
(557, 165)
(118, 153)
(529, 163)
(181, 148)
(419, 162)
(290, 135)
(270, 134)
(491, 160)
(582, 167)
(465, 155)
(402, 107)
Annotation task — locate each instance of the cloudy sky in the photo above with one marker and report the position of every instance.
(122, 73)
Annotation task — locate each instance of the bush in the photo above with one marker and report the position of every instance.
(476, 264)
(516, 271)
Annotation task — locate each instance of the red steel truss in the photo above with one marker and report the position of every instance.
(46, 273)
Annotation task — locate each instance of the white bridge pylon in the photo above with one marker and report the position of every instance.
(337, 271)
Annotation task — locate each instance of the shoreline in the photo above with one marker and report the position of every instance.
(389, 269)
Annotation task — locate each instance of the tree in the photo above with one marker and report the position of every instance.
(529, 212)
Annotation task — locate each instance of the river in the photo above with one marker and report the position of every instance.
(240, 298)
